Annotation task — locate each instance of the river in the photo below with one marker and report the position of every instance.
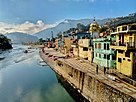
(24, 77)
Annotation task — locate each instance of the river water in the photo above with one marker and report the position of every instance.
(24, 77)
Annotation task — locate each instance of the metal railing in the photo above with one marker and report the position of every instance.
(127, 44)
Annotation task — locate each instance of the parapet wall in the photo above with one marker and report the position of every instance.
(95, 88)
(91, 88)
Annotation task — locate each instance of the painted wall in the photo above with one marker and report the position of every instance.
(90, 54)
(82, 53)
(126, 64)
(67, 43)
(75, 51)
(103, 56)
(84, 42)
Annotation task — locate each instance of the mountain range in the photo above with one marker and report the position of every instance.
(18, 37)
(65, 25)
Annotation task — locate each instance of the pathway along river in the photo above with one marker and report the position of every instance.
(25, 78)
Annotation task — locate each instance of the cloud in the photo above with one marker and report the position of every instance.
(26, 27)
(40, 23)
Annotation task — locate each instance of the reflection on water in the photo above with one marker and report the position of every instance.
(27, 80)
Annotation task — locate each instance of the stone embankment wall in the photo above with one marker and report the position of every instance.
(93, 89)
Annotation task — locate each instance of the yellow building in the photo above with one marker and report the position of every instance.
(90, 54)
(125, 47)
(83, 45)
(67, 44)
(94, 29)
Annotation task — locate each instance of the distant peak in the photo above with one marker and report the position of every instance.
(66, 21)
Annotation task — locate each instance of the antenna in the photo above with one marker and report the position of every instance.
(52, 34)
(108, 23)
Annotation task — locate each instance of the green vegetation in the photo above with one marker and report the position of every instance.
(131, 18)
(4, 42)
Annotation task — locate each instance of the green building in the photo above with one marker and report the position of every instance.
(104, 56)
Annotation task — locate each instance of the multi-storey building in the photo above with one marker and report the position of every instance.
(103, 54)
(125, 46)
(83, 46)
(76, 38)
(94, 32)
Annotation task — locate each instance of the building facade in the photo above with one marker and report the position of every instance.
(125, 46)
(103, 54)
(75, 45)
(83, 46)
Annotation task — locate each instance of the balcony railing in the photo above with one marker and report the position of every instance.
(126, 44)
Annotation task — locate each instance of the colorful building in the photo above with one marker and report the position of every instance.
(67, 44)
(125, 46)
(94, 32)
(94, 29)
(103, 54)
(83, 45)
(76, 38)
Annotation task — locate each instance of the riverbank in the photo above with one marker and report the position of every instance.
(83, 77)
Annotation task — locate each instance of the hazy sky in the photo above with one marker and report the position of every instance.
(35, 14)
(51, 11)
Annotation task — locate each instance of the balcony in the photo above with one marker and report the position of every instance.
(102, 51)
(125, 29)
(123, 46)
(100, 39)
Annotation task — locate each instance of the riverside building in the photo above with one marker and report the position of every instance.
(125, 46)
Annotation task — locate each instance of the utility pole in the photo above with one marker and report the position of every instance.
(52, 39)
(52, 35)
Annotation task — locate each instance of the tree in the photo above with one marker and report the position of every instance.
(81, 27)
(4, 42)
(103, 28)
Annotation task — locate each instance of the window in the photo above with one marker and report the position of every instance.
(108, 57)
(129, 60)
(99, 45)
(113, 57)
(104, 56)
(96, 45)
(108, 46)
(123, 58)
(132, 27)
(118, 29)
(99, 55)
(127, 54)
(85, 49)
(104, 46)
(124, 28)
(119, 60)
(120, 51)
(96, 54)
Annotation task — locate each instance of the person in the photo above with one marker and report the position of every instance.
(48, 44)
(43, 49)
(104, 70)
(127, 44)
(97, 69)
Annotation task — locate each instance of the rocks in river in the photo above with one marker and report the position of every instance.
(26, 51)
(4, 42)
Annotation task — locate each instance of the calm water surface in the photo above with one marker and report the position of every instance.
(25, 78)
